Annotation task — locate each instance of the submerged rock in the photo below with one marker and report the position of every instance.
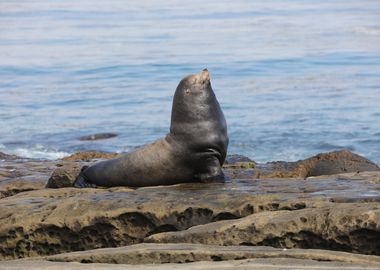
(98, 136)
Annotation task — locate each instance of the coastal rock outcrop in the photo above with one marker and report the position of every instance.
(50, 221)
(339, 212)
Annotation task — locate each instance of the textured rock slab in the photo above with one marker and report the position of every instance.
(189, 256)
(89, 156)
(51, 221)
(185, 253)
(250, 264)
(22, 175)
(349, 227)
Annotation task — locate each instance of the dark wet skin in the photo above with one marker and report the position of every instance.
(193, 151)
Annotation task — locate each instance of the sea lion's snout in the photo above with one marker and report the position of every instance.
(204, 76)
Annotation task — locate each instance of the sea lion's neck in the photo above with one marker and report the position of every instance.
(197, 121)
(206, 130)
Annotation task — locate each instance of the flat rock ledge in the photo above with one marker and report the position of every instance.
(192, 256)
(290, 220)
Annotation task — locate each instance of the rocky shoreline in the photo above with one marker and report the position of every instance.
(322, 211)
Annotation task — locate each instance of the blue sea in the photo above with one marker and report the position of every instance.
(294, 78)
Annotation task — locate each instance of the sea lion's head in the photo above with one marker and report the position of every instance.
(193, 97)
(193, 90)
(196, 111)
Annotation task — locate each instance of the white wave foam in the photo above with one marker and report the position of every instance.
(37, 151)
(368, 31)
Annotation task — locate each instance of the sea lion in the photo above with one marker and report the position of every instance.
(193, 151)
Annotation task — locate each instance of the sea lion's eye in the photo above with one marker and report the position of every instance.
(187, 91)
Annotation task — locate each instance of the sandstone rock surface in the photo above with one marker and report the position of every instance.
(184, 253)
(186, 256)
(250, 264)
(89, 156)
(338, 212)
(50, 221)
(23, 175)
(348, 227)
(190, 256)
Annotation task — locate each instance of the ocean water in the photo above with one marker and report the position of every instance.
(294, 78)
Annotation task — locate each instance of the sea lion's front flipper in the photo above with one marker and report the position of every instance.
(213, 172)
(81, 181)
